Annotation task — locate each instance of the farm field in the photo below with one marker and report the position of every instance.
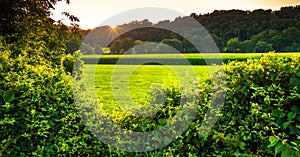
(141, 79)
(193, 58)
(193, 55)
(144, 76)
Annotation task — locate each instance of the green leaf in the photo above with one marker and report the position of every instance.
(297, 74)
(286, 124)
(33, 112)
(294, 82)
(291, 115)
(279, 147)
(294, 130)
(9, 96)
(287, 152)
(276, 113)
(296, 109)
(242, 145)
(237, 153)
(281, 115)
(273, 141)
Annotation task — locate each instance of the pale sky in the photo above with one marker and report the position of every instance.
(93, 13)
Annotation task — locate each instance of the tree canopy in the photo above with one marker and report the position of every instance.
(29, 20)
(232, 30)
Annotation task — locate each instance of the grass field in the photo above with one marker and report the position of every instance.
(137, 80)
(194, 58)
(140, 81)
(192, 55)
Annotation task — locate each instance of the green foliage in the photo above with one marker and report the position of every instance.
(262, 46)
(29, 20)
(138, 42)
(121, 45)
(278, 29)
(75, 39)
(260, 117)
(98, 50)
(37, 112)
(232, 45)
(247, 46)
(261, 109)
(38, 115)
(175, 43)
(86, 48)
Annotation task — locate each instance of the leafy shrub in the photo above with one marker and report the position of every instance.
(261, 110)
(37, 112)
(260, 117)
(38, 117)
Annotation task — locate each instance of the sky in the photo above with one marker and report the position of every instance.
(93, 13)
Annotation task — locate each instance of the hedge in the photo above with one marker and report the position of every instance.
(260, 117)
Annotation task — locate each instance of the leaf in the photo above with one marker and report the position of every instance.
(273, 141)
(286, 152)
(33, 112)
(237, 153)
(291, 115)
(294, 130)
(9, 96)
(295, 109)
(281, 115)
(276, 113)
(286, 124)
(279, 147)
(242, 145)
(294, 82)
(297, 74)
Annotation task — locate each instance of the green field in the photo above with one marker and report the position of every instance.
(175, 59)
(141, 79)
(192, 55)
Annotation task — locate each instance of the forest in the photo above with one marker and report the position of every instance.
(234, 31)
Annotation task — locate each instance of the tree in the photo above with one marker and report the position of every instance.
(121, 45)
(175, 43)
(219, 41)
(294, 47)
(163, 48)
(98, 49)
(290, 36)
(146, 48)
(138, 42)
(115, 47)
(232, 45)
(262, 46)
(24, 20)
(86, 48)
(247, 46)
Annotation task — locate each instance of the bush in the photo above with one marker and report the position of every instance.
(38, 116)
(37, 111)
(260, 117)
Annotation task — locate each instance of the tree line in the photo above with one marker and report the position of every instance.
(232, 30)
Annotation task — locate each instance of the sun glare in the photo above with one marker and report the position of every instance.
(114, 27)
(115, 31)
